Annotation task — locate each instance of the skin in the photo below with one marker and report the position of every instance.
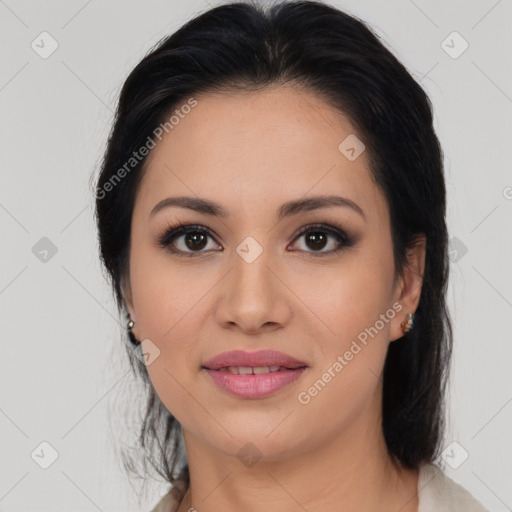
(252, 152)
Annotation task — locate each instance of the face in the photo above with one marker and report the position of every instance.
(313, 281)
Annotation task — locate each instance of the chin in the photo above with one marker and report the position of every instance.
(259, 441)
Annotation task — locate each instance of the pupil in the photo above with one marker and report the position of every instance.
(317, 238)
(197, 240)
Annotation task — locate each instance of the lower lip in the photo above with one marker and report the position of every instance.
(254, 386)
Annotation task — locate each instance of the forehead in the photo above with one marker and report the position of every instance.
(272, 145)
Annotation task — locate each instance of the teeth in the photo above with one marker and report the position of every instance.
(249, 370)
(261, 369)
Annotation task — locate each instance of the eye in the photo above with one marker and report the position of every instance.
(318, 237)
(194, 240)
(187, 239)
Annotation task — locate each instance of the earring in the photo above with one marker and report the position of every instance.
(131, 337)
(408, 324)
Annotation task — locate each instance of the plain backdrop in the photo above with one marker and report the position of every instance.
(59, 329)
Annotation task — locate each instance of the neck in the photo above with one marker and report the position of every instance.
(351, 472)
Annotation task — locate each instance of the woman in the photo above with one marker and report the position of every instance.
(271, 212)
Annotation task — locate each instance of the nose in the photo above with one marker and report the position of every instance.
(252, 297)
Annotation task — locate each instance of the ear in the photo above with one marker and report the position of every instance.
(408, 287)
(127, 295)
(128, 300)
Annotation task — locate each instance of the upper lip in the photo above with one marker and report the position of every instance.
(258, 358)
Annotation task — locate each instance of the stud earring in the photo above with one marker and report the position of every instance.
(131, 337)
(408, 324)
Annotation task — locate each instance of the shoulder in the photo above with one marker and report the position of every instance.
(437, 492)
(166, 504)
(171, 501)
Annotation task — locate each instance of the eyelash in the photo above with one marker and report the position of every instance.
(173, 231)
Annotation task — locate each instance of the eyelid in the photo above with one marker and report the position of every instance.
(318, 225)
(175, 230)
(338, 232)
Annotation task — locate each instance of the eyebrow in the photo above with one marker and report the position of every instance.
(288, 209)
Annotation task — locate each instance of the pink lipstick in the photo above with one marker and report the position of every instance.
(254, 374)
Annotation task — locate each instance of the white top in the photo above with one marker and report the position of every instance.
(436, 492)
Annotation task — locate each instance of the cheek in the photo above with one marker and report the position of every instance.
(348, 297)
(167, 301)
(166, 294)
(352, 350)
(171, 379)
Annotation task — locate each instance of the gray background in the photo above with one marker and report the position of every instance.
(61, 365)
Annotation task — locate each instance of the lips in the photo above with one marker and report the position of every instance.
(253, 375)
(241, 359)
